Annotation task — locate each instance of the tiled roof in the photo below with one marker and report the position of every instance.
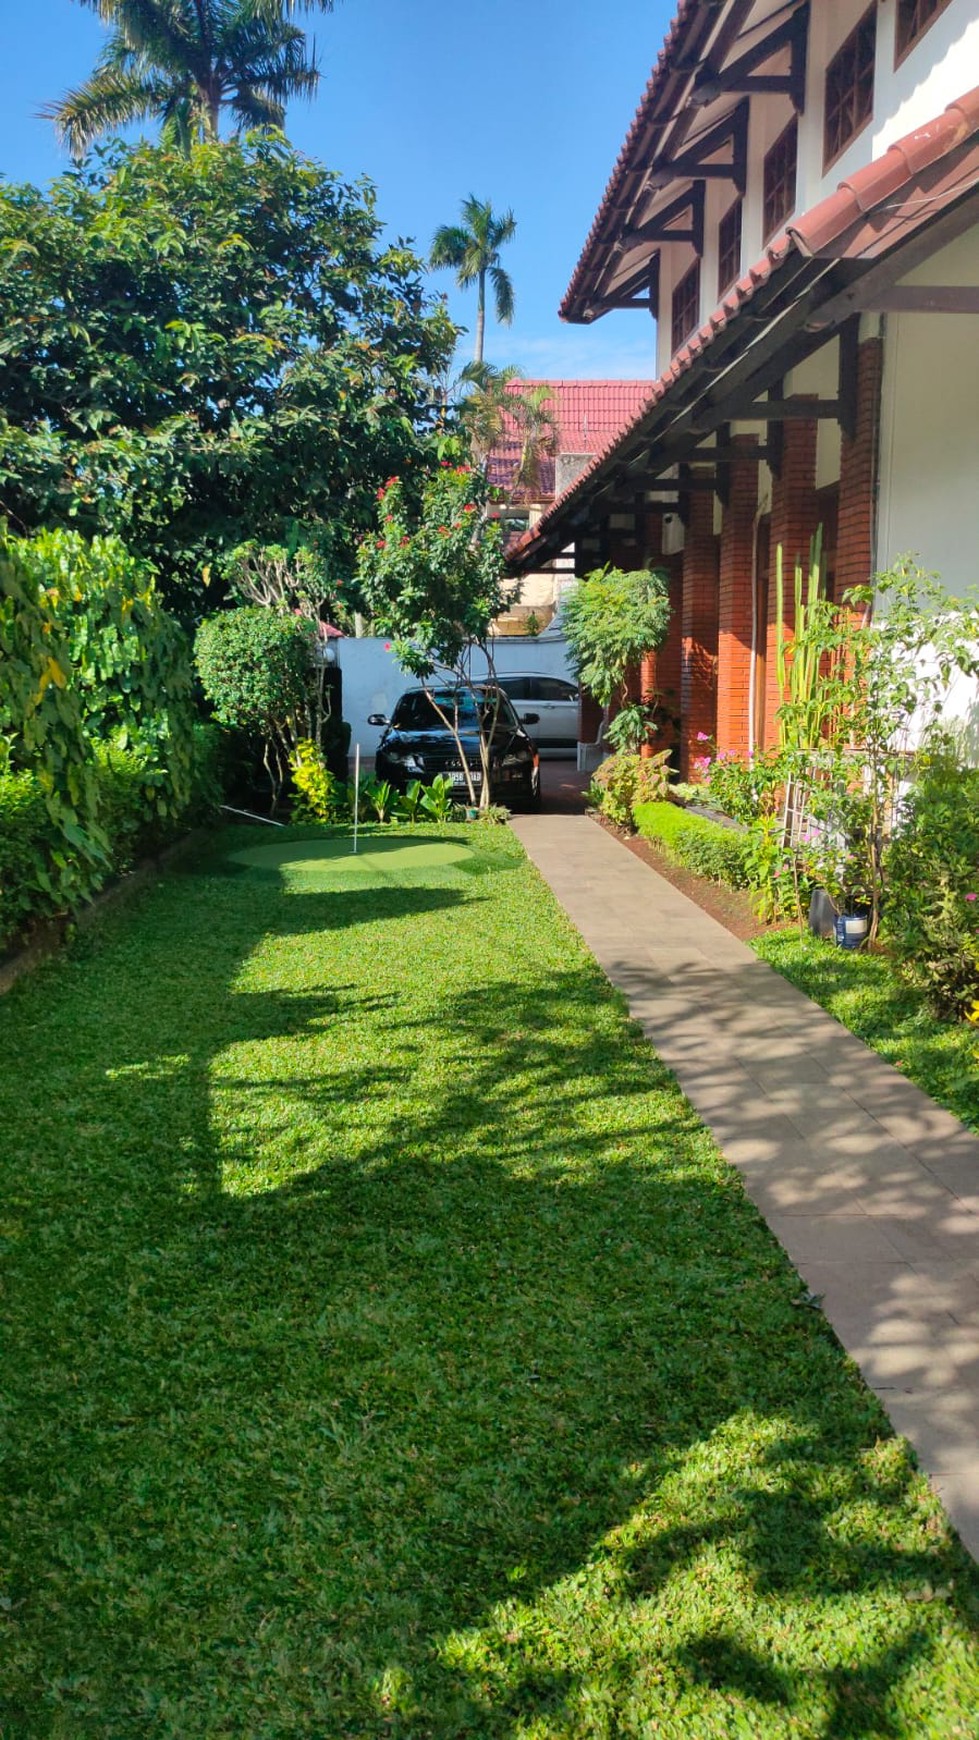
(869, 213)
(588, 415)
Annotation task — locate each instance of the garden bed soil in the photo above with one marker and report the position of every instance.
(731, 907)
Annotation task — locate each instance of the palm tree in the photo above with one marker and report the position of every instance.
(534, 416)
(472, 249)
(182, 61)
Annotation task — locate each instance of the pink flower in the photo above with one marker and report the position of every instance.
(972, 897)
(387, 646)
(702, 737)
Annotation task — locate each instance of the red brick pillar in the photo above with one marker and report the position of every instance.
(795, 517)
(858, 475)
(698, 656)
(736, 584)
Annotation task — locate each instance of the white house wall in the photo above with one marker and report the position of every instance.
(929, 466)
(373, 679)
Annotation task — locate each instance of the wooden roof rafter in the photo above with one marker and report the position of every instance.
(742, 75)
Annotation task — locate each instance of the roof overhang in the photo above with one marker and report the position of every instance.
(838, 260)
(691, 127)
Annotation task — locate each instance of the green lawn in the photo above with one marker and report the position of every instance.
(387, 1350)
(868, 996)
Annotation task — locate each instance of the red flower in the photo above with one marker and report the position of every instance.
(444, 530)
(405, 541)
(470, 507)
(387, 646)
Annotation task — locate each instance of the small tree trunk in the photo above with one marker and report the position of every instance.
(480, 318)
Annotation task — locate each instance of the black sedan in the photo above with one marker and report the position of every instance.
(417, 743)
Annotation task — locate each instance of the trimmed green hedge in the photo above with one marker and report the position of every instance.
(720, 854)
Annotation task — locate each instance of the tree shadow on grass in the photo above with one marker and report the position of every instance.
(410, 1364)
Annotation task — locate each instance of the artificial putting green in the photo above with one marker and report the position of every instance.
(387, 1350)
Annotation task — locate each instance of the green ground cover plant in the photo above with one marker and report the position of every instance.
(868, 994)
(720, 854)
(388, 1350)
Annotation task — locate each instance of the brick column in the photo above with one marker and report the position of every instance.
(858, 475)
(795, 517)
(698, 656)
(734, 652)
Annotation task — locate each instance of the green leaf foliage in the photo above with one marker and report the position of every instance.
(931, 918)
(611, 618)
(433, 573)
(95, 713)
(720, 854)
(254, 665)
(624, 780)
(196, 348)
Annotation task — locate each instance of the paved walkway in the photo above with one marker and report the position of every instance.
(871, 1188)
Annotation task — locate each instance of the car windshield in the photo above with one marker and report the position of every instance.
(415, 711)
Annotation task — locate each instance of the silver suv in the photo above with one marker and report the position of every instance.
(554, 700)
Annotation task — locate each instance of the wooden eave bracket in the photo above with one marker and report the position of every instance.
(742, 75)
(660, 228)
(692, 163)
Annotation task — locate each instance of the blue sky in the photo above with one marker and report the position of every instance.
(524, 102)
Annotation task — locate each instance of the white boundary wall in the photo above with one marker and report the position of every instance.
(373, 679)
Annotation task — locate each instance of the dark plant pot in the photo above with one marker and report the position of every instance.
(823, 914)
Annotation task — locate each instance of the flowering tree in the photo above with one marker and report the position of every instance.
(432, 577)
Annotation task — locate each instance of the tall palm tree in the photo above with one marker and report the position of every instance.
(472, 249)
(181, 62)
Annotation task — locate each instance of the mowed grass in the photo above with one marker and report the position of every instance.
(388, 1351)
(867, 994)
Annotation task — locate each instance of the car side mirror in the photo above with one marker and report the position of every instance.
(377, 719)
(530, 718)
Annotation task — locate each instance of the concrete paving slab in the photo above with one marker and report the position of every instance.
(871, 1188)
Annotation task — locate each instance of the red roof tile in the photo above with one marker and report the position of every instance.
(588, 414)
(860, 220)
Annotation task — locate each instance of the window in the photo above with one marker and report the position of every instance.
(850, 87)
(913, 19)
(729, 247)
(553, 689)
(780, 170)
(686, 305)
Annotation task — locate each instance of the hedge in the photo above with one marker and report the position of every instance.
(720, 854)
(43, 876)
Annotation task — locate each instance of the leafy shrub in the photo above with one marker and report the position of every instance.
(100, 758)
(42, 876)
(931, 916)
(409, 805)
(377, 799)
(319, 795)
(720, 854)
(622, 781)
(631, 728)
(744, 789)
(437, 801)
(29, 879)
(256, 666)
